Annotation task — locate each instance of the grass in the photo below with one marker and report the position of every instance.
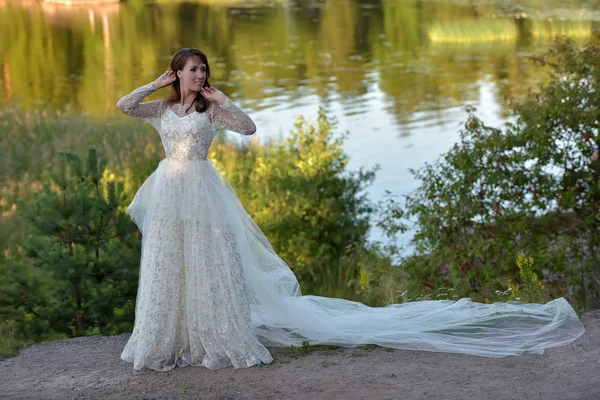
(306, 348)
(10, 343)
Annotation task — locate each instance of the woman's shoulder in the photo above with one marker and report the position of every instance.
(158, 106)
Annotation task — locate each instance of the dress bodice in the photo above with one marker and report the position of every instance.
(185, 133)
(186, 137)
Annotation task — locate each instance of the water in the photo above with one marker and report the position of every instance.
(395, 74)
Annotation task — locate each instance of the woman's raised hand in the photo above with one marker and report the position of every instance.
(164, 80)
(213, 94)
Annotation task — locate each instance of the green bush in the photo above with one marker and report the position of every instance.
(530, 187)
(83, 248)
(312, 210)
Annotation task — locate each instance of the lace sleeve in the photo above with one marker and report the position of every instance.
(131, 104)
(231, 117)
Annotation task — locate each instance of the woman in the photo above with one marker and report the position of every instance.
(213, 292)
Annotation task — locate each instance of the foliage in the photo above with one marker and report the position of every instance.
(132, 149)
(530, 289)
(312, 210)
(529, 188)
(10, 340)
(83, 247)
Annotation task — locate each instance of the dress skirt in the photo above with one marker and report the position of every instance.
(192, 304)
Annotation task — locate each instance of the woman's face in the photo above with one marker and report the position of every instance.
(193, 75)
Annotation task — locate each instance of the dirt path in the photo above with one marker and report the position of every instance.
(90, 368)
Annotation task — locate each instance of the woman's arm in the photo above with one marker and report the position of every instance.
(225, 114)
(131, 104)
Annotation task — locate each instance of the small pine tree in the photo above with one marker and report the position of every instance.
(84, 250)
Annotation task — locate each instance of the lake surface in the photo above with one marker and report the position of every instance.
(396, 74)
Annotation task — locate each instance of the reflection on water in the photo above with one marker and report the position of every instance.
(395, 73)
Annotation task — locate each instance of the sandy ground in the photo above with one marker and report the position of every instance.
(90, 368)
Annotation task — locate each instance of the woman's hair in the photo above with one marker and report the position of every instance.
(177, 63)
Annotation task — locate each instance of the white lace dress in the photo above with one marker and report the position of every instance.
(213, 292)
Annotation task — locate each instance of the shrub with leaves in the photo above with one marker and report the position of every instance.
(530, 187)
(301, 194)
(529, 289)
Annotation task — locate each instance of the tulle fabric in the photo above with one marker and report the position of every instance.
(196, 191)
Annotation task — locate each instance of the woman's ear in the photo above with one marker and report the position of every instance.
(179, 74)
